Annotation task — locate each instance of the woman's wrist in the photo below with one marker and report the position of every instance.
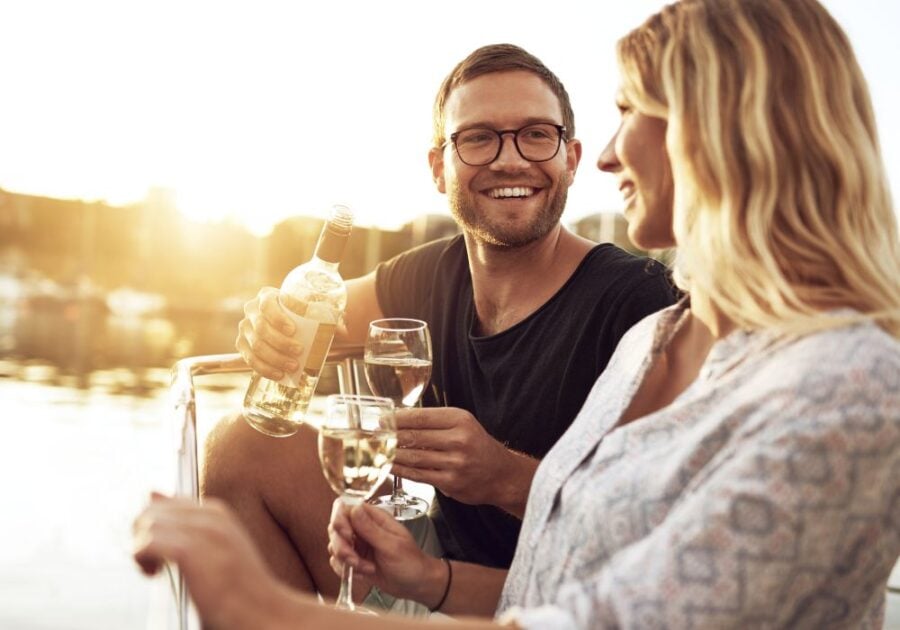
(447, 584)
(434, 583)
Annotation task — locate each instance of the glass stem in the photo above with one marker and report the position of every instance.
(345, 595)
(397, 493)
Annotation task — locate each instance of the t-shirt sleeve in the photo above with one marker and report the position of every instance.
(404, 283)
(649, 291)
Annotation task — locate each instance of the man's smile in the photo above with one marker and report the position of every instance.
(516, 192)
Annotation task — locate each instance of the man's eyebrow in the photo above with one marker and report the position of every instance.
(532, 120)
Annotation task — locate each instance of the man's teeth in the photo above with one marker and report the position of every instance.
(518, 191)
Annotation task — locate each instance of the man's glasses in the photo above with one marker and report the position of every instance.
(480, 146)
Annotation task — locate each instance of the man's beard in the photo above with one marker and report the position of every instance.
(474, 221)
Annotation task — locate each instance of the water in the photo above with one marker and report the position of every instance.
(77, 465)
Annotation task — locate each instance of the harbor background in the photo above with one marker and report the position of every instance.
(97, 302)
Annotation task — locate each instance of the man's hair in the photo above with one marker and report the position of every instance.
(499, 58)
(782, 208)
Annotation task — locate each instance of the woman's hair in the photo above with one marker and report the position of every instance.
(782, 208)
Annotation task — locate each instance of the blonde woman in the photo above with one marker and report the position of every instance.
(738, 463)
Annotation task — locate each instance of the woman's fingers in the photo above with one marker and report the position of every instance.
(378, 528)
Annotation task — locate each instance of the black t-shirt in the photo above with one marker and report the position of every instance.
(527, 383)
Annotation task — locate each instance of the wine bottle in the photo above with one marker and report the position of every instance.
(314, 297)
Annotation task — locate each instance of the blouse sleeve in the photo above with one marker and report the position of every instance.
(798, 527)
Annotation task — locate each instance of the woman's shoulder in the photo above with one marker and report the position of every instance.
(833, 381)
(856, 348)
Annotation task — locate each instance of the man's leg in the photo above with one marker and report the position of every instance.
(277, 488)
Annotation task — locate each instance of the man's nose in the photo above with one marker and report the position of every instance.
(509, 157)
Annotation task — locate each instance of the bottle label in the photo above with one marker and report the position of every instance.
(313, 332)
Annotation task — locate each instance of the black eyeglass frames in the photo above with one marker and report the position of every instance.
(479, 146)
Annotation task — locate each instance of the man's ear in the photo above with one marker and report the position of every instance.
(436, 161)
(573, 158)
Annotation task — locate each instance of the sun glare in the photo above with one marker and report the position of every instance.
(254, 115)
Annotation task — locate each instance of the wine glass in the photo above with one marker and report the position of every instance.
(398, 366)
(357, 442)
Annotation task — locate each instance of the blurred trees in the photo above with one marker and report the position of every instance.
(140, 246)
(151, 247)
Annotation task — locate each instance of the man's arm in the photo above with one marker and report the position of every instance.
(514, 485)
(362, 308)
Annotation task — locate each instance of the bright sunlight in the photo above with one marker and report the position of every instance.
(255, 112)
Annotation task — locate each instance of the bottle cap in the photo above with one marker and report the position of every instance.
(335, 234)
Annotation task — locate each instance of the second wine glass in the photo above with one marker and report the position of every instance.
(357, 442)
(398, 366)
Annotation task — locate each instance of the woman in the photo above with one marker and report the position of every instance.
(738, 463)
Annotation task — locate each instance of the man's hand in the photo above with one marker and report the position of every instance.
(385, 553)
(264, 336)
(449, 449)
(227, 578)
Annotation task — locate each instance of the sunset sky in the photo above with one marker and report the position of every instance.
(256, 111)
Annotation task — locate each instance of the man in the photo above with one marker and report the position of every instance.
(524, 316)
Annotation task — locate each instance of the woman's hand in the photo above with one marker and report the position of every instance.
(265, 336)
(227, 578)
(386, 553)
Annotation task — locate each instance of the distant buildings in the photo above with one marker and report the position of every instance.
(611, 227)
(89, 285)
(76, 278)
(605, 227)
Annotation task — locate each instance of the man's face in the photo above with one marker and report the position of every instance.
(510, 202)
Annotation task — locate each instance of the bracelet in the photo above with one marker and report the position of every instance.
(446, 588)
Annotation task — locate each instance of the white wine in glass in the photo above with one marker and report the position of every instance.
(402, 379)
(357, 443)
(398, 366)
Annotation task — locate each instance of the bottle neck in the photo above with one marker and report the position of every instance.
(331, 245)
(324, 264)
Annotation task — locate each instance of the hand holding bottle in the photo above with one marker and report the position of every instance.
(312, 298)
(265, 336)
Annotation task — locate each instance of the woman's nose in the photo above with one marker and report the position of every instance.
(608, 161)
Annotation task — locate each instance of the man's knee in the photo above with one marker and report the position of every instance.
(223, 454)
(236, 456)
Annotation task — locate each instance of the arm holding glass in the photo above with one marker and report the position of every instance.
(447, 448)
(387, 555)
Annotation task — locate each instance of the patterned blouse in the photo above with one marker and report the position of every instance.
(766, 495)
